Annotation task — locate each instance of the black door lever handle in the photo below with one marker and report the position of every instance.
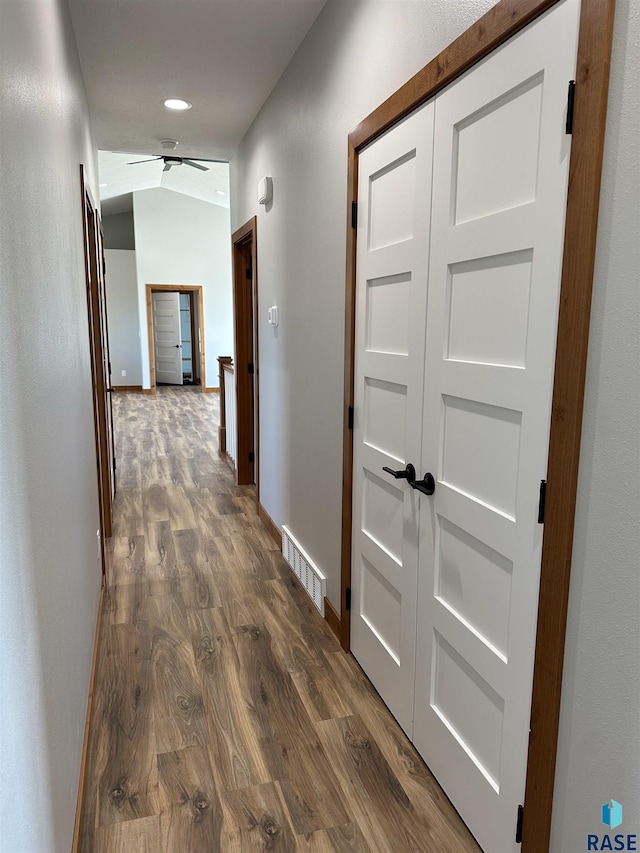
(409, 473)
(427, 485)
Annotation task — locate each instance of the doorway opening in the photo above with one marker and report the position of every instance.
(245, 318)
(100, 362)
(188, 338)
(175, 324)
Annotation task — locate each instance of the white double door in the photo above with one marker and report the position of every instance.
(460, 240)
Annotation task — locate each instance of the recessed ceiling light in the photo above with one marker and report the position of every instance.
(221, 192)
(103, 185)
(177, 104)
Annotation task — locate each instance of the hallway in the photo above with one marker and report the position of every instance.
(225, 716)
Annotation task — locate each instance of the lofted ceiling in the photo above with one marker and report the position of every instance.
(224, 56)
(122, 174)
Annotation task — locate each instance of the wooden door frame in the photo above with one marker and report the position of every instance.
(90, 227)
(501, 22)
(196, 290)
(245, 352)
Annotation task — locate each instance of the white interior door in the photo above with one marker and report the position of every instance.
(501, 160)
(167, 337)
(393, 240)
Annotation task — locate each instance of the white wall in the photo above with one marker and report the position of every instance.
(49, 567)
(119, 231)
(355, 56)
(182, 240)
(122, 313)
(599, 745)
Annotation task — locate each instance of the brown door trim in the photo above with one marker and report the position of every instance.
(592, 75)
(98, 353)
(245, 321)
(196, 293)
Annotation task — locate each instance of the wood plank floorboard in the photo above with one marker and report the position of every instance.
(127, 787)
(190, 808)
(256, 819)
(226, 716)
(141, 836)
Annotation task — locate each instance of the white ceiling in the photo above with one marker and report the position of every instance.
(225, 56)
(122, 178)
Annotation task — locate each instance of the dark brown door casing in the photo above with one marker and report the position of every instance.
(100, 366)
(245, 316)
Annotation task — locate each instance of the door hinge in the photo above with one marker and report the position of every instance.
(248, 273)
(350, 414)
(354, 214)
(570, 98)
(250, 368)
(543, 496)
(347, 598)
(519, 824)
(104, 266)
(251, 456)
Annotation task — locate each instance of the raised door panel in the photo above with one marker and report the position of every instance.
(393, 239)
(499, 196)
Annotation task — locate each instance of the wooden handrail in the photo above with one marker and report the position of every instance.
(225, 362)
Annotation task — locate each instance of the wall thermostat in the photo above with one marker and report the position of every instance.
(265, 190)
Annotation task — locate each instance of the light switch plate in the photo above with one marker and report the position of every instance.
(272, 315)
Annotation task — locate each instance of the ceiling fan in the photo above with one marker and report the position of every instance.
(171, 161)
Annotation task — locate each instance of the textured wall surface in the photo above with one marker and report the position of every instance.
(122, 311)
(599, 746)
(118, 231)
(49, 566)
(357, 54)
(182, 240)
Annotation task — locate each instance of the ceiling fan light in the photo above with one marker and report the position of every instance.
(177, 104)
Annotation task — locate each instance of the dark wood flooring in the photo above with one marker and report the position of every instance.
(226, 717)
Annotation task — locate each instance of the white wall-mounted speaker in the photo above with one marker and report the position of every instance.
(265, 190)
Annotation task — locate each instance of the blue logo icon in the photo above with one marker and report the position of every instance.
(612, 814)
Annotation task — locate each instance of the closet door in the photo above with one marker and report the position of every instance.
(393, 239)
(501, 159)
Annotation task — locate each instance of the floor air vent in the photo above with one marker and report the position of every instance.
(307, 573)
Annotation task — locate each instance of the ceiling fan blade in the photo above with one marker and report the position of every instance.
(167, 166)
(205, 160)
(133, 162)
(195, 165)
